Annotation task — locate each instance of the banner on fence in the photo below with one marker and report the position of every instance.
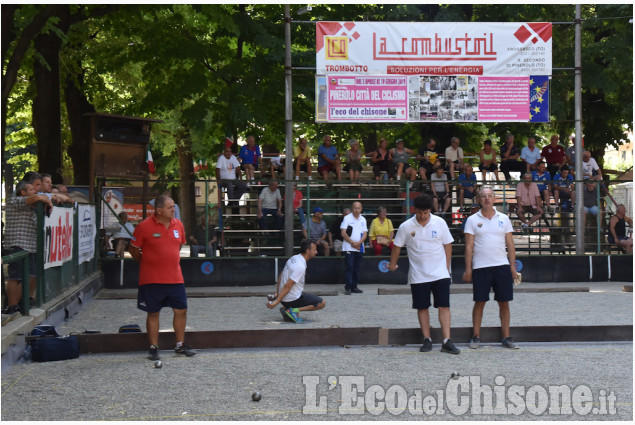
(87, 232)
(58, 237)
(466, 71)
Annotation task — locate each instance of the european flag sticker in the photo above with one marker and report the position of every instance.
(539, 98)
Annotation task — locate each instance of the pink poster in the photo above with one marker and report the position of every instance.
(367, 98)
(503, 98)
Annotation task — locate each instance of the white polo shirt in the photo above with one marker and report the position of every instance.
(359, 227)
(294, 269)
(489, 239)
(426, 253)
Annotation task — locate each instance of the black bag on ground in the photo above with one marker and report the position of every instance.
(49, 349)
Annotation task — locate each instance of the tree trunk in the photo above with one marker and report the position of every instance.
(46, 105)
(187, 200)
(76, 106)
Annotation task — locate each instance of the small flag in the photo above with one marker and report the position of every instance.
(228, 142)
(150, 162)
(539, 98)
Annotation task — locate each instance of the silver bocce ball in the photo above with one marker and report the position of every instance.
(455, 375)
(158, 364)
(256, 396)
(271, 297)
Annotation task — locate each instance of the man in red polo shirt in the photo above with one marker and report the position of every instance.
(555, 156)
(156, 245)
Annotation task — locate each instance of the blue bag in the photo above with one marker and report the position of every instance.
(49, 349)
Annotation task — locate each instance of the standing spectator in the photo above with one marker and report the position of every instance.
(270, 203)
(467, 185)
(426, 156)
(530, 155)
(570, 152)
(198, 238)
(228, 176)
(563, 187)
(297, 203)
(20, 234)
(590, 200)
(617, 230)
(354, 232)
(487, 233)
(47, 189)
(401, 158)
(509, 157)
(543, 180)
(34, 179)
(555, 156)
(161, 281)
(382, 161)
(47, 183)
(121, 234)
(429, 245)
(302, 159)
(250, 158)
(440, 190)
(328, 160)
(381, 232)
(177, 210)
(488, 160)
(290, 286)
(335, 234)
(528, 201)
(353, 160)
(315, 230)
(454, 157)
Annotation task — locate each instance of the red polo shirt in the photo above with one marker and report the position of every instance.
(161, 247)
(553, 155)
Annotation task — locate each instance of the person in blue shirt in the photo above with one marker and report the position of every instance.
(543, 181)
(564, 188)
(467, 185)
(250, 158)
(328, 160)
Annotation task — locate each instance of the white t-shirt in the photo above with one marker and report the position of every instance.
(426, 252)
(531, 157)
(359, 227)
(589, 167)
(294, 269)
(227, 167)
(453, 155)
(269, 198)
(489, 239)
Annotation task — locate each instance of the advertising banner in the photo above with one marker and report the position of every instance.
(434, 48)
(58, 237)
(87, 232)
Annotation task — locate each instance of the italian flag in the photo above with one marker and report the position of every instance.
(149, 161)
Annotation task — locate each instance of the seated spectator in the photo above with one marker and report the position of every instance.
(467, 185)
(564, 189)
(528, 201)
(276, 166)
(270, 203)
(488, 160)
(543, 179)
(328, 160)
(531, 155)
(250, 158)
(440, 190)
(297, 203)
(197, 240)
(381, 232)
(335, 233)
(509, 157)
(353, 160)
(454, 157)
(591, 170)
(382, 161)
(426, 156)
(590, 200)
(228, 175)
(302, 159)
(317, 231)
(401, 158)
(121, 233)
(554, 155)
(617, 230)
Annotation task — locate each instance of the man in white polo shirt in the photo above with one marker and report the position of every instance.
(354, 231)
(487, 234)
(429, 245)
(290, 286)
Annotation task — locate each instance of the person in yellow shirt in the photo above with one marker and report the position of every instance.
(381, 231)
(302, 159)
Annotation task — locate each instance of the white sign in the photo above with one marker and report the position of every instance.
(58, 237)
(87, 232)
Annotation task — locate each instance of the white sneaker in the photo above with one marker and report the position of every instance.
(410, 185)
(310, 178)
(298, 177)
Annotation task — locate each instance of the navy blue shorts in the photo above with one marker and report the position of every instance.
(152, 297)
(497, 277)
(15, 267)
(468, 194)
(304, 300)
(440, 289)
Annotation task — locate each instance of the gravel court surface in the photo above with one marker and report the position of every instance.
(364, 310)
(217, 384)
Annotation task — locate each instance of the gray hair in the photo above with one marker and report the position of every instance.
(161, 200)
(20, 187)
